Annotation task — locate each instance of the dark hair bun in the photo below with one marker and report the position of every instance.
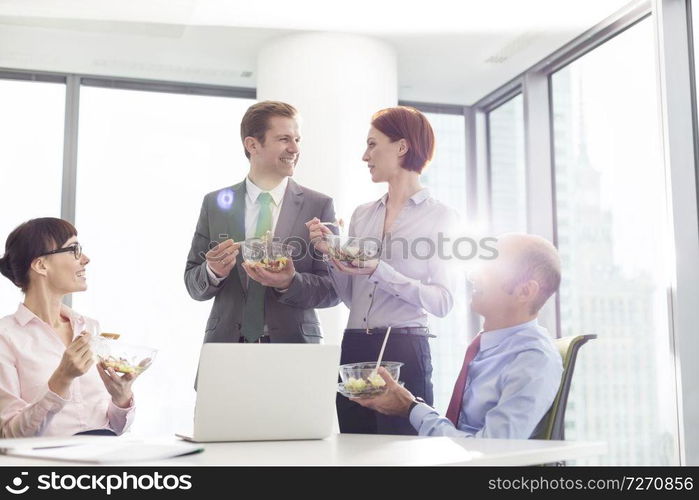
(5, 268)
(30, 240)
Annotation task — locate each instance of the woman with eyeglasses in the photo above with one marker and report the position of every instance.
(47, 386)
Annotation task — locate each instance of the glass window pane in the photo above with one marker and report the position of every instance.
(446, 175)
(446, 178)
(508, 192)
(145, 162)
(31, 161)
(612, 224)
(695, 36)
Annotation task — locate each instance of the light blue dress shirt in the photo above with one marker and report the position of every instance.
(412, 279)
(511, 384)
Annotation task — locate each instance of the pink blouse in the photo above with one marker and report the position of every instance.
(30, 351)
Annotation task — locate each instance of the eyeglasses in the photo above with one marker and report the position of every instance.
(75, 248)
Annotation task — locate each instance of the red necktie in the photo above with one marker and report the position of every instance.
(457, 397)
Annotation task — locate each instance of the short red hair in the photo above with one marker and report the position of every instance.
(404, 122)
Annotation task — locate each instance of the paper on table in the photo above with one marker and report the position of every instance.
(109, 450)
(47, 442)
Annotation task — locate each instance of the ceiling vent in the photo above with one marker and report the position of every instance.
(517, 45)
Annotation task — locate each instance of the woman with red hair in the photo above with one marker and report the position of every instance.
(409, 280)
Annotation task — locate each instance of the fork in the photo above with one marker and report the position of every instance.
(338, 223)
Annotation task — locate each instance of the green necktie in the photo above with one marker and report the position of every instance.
(254, 312)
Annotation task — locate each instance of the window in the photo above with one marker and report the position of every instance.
(694, 21)
(446, 178)
(446, 175)
(611, 222)
(145, 162)
(507, 167)
(31, 161)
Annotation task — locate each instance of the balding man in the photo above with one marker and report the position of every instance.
(512, 370)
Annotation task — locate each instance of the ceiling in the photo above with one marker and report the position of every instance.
(448, 52)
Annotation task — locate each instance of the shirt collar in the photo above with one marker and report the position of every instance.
(417, 198)
(495, 337)
(277, 193)
(23, 315)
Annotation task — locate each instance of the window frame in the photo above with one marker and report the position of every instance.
(73, 83)
(675, 48)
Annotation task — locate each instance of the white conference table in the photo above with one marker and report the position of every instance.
(363, 449)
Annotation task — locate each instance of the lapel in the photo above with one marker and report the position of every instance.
(236, 227)
(291, 208)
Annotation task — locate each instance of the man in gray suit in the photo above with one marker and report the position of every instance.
(252, 304)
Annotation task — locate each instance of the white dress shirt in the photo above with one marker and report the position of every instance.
(252, 212)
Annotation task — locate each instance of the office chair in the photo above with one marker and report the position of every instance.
(551, 425)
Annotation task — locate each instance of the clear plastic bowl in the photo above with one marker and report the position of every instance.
(270, 255)
(122, 357)
(357, 379)
(351, 250)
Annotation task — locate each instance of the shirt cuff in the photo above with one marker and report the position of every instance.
(295, 287)
(114, 407)
(52, 402)
(294, 279)
(382, 273)
(215, 280)
(388, 278)
(120, 419)
(418, 414)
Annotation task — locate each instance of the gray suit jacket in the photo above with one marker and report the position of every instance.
(290, 316)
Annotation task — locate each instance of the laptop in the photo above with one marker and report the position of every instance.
(263, 392)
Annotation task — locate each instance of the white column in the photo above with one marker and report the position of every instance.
(336, 82)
